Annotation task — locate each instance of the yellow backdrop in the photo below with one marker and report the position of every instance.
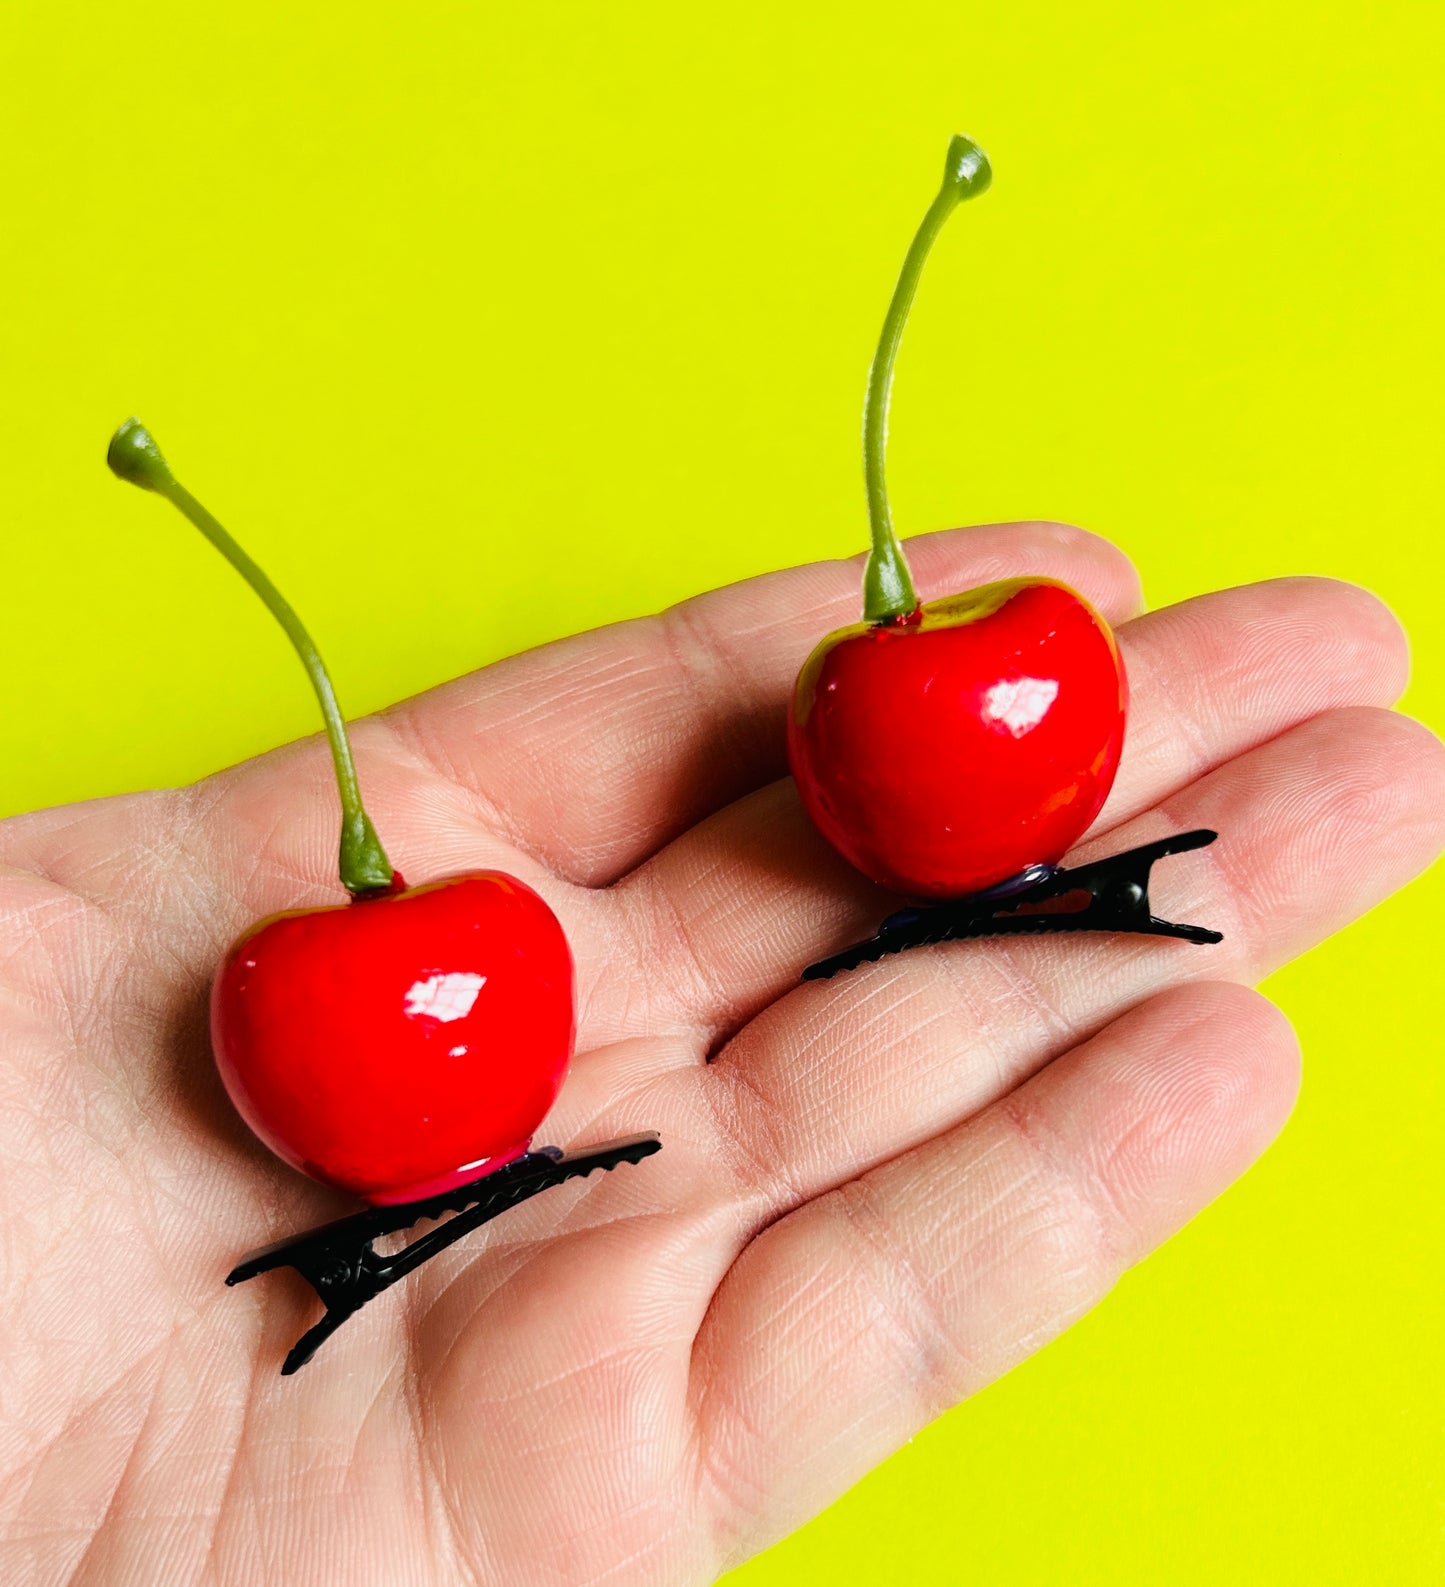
(485, 324)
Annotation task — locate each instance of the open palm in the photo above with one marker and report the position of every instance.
(881, 1192)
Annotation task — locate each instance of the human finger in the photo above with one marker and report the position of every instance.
(1319, 826)
(850, 1324)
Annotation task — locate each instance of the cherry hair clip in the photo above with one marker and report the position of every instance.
(956, 751)
(402, 1046)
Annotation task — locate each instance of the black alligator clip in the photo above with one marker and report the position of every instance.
(339, 1264)
(1107, 895)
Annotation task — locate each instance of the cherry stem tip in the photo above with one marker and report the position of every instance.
(966, 168)
(134, 457)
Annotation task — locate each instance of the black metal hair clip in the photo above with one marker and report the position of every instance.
(339, 1264)
(1106, 895)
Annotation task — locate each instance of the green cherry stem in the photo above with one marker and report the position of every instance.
(887, 585)
(365, 869)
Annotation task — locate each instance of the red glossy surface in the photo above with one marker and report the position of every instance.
(397, 1045)
(948, 751)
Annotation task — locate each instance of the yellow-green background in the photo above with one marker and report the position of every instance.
(484, 324)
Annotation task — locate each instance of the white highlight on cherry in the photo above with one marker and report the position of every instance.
(444, 997)
(1018, 705)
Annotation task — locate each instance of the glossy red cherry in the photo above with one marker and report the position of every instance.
(410, 1040)
(947, 751)
(946, 748)
(397, 1046)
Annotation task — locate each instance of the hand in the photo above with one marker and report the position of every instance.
(881, 1192)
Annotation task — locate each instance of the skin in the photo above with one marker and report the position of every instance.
(883, 1191)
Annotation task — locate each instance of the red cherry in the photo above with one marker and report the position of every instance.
(946, 748)
(949, 750)
(410, 1040)
(397, 1046)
